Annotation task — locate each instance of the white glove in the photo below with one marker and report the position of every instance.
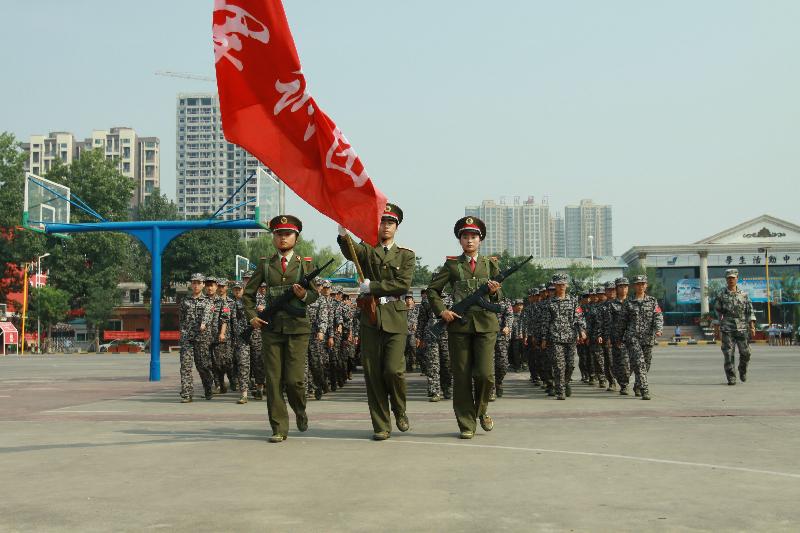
(364, 287)
(342, 230)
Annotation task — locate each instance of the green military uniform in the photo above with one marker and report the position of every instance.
(471, 341)
(285, 339)
(383, 344)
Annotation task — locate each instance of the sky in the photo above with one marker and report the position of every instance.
(683, 115)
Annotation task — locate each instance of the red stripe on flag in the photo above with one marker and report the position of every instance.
(267, 110)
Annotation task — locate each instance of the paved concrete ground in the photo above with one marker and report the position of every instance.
(87, 444)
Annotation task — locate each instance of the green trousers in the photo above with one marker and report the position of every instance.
(383, 357)
(471, 358)
(284, 365)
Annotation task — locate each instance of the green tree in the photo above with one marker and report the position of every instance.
(581, 276)
(49, 305)
(157, 207)
(529, 276)
(99, 304)
(422, 274)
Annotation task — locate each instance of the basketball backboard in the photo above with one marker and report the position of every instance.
(46, 202)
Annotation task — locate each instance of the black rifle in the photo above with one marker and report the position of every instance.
(282, 301)
(478, 297)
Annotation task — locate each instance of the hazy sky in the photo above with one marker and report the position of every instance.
(684, 115)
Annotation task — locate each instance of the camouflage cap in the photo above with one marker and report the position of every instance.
(197, 277)
(263, 284)
(326, 284)
(222, 282)
(621, 281)
(584, 295)
(732, 273)
(542, 287)
(610, 285)
(519, 301)
(641, 278)
(410, 295)
(247, 274)
(599, 290)
(237, 285)
(560, 279)
(551, 287)
(211, 279)
(338, 290)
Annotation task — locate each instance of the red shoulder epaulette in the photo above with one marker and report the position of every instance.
(453, 256)
(308, 258)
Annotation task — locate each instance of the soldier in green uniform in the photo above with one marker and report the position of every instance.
(389, 269)
(736, 319)
(471, 338)
(285, 339)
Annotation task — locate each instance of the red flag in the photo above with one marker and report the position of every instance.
(267, 110)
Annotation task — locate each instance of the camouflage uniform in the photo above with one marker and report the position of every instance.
(735, 313)
(194, 344)
(437, 355)
(564, 322)
(411, 342)
(506, 320)
(595, 321)
(319, 316)
(643, 319)
(516, 349)
(584, 362)
(615, 332)
(334, 352)
(257, 374)
(221, 351)
(348, 339)
(241, 345)
(422, 323)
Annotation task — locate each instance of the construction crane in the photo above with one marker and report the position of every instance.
(184, 75)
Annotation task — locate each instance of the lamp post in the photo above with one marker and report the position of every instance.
(39, 284)
(591, 253)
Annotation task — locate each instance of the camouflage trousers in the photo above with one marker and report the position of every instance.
(562, 357)
(241, 359)
(197, 352)
(539, 364)
(641, 356)
(584, 362)
(437, 355)
(597, 367)
(222, 362)
(411, 353)
(516, 351)
(621, 364)
(422, 359)
(256, 361)
(607, 364)
(317, 362)
(730, 340)
(337, 366)
(500, 359)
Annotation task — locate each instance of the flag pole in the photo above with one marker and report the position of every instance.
(352, 248)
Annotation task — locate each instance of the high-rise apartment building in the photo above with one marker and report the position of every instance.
(209, 169)
(558, 236)
(521, 229)
(138, 158)
(586, 220)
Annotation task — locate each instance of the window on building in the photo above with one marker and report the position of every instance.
(114, 325)
(134, 296)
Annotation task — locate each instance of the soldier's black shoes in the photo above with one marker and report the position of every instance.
(568, 390)
(447, 395)
(258, 394)
(742, 376)
(302, 422)
(380, 435)
(187, 399)
(636, 391)
(277, 438)
(318, 394)
(209, 395)
(623, 390)
(466, 434)
(645, 396)
(550, 391)
(499, 391)
(487, 423)
(402, 422)
(561, 397)
(435, 398)
(242, 400)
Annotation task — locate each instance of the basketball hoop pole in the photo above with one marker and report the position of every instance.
(155, 235)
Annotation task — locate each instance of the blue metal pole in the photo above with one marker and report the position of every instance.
(155, 307)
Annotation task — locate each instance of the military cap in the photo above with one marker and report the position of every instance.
(211, 279)
(559, 279)
(533, 292)
(326, 284)
(318, 281)
(585, 295)
(599, 290)
(610, 285)
(263, 284)
(247, 274)
(392, 212)
(732, 273)
(519, 301)
(551, 287)
(286, 223)
(237, 285)
(410, 295)
(473, 224)
(641, 278)
(621, 281)
(197, 277)
(542, 287)
(338, 290)
(222, 282)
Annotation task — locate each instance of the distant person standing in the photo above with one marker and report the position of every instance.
(677, 332)
(736, 320)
